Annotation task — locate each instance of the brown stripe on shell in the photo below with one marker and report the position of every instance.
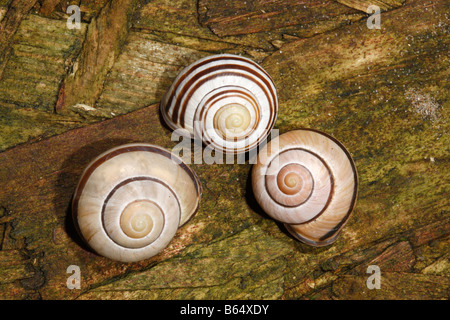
(166, 118)
(331, 236)
(330, 196)
(125, 182)
(228, 93)
(131, 148)
(188, 70)
(247, 147)
(188, 89)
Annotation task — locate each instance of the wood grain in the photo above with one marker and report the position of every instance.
(8, 27)
(383, 93)
(233, 17)
(105, 35)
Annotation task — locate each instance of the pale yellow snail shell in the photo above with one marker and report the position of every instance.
(131, 200)
(227, 101)
(307, 180)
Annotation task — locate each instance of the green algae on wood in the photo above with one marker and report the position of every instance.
(383, 93)
(101, 47)
(9, 23)
(35, 68)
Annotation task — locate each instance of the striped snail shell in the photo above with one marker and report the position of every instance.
(131, 200)
(307, 180)
(227, 101)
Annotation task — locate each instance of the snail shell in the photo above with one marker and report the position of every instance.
(309, 182)
(131, 200)
(227, 101)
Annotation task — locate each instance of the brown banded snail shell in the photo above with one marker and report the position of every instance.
(307, 180)
(131, 200)
(227, 101)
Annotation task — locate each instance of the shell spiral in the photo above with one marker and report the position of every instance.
(227, 101)
(131, 200)
(307, 180)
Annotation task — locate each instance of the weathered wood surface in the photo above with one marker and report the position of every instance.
(105, 36)
(383, 93)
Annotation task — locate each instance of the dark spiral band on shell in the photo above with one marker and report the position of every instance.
(131, 200)
(321, 184)
(295, 203)
(130, 148)
(185, 103)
